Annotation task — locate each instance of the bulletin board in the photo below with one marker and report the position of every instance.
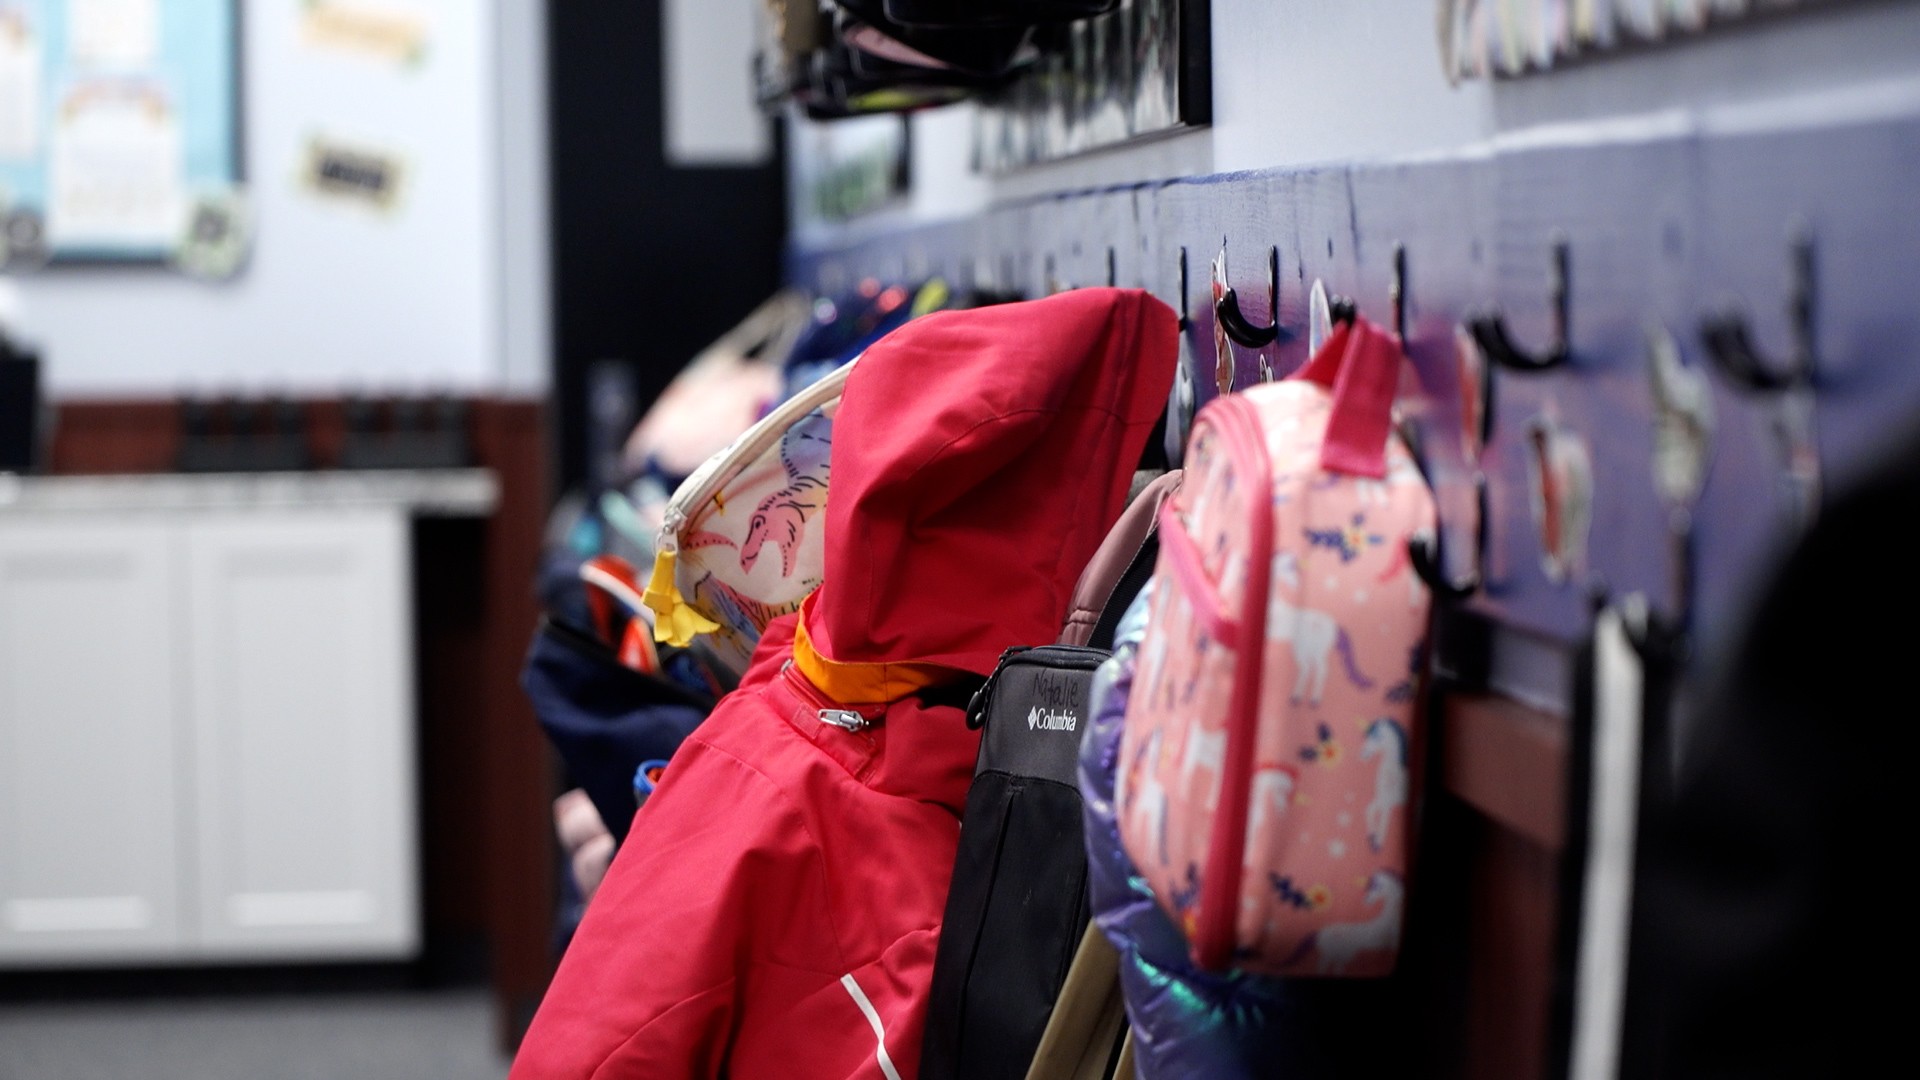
(119, 122)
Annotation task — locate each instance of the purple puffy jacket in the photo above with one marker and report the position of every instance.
(1186, 1022)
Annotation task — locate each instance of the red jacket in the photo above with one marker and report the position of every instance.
(774, 911)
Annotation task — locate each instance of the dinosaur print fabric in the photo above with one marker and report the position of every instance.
(743, 534)
(1262, 784)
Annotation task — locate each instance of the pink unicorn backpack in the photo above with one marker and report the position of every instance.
(1264, 772)
(739, 543)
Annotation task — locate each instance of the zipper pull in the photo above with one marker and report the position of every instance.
(982, 699)
(977, 707)
(845, 719)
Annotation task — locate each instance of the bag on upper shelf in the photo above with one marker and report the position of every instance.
(994, 12)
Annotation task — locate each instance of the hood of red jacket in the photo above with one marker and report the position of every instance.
(978, 459)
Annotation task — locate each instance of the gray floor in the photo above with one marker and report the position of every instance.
(383, 1036)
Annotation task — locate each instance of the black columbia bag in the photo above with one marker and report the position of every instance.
(1018, 904)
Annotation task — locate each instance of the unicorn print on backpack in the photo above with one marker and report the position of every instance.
(1314, 637)
(1207, 751)
(1141, 798)
(1272, 790)
(1290, 594)
(1387, 741)
(1341, 944)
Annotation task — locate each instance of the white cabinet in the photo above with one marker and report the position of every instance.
(90, 788)
(206, 736)
(302, 734)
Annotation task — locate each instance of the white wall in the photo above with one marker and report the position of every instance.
(447, 292)
(525, 284)
(1305, 82)
(712, 117)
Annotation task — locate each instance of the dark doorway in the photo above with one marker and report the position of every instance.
(650, 262)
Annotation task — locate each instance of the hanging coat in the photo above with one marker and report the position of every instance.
(774, 912)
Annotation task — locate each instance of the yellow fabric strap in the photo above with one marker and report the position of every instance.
(862, 684)
(678, 622)
(932, 297)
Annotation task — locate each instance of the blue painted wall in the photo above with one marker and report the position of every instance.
(1663, 225)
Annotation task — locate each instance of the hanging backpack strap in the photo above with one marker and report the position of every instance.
(1324, 366)
(957, 694)
(1118, 571)
(1134, 579)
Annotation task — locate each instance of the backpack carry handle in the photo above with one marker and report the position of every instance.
(1360, 363)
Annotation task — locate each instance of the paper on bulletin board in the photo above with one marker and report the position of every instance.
(121, 34)
(116, 168)
(353, 173)
(19, 87)
(378, 29)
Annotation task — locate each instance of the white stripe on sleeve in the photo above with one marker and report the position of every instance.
(873, 1019)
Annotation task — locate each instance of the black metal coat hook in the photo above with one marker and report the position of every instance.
(1730, 344)
(1397, 293)
(1186, 319)
(1235, 323)
(1342, 310)
(1428, 564)
(1683, 557)
(1423, 552)
(1113, 267)
(1490, 329)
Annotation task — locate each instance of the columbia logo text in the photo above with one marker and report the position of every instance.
(1047, 720)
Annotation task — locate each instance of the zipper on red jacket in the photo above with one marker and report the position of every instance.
(830, 711)
(1238, 421)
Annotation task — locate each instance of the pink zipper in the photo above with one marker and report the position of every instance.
(1192, 576)
(1238, 421)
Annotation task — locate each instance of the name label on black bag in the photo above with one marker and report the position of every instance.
(1057, 698)
(1033, 719)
